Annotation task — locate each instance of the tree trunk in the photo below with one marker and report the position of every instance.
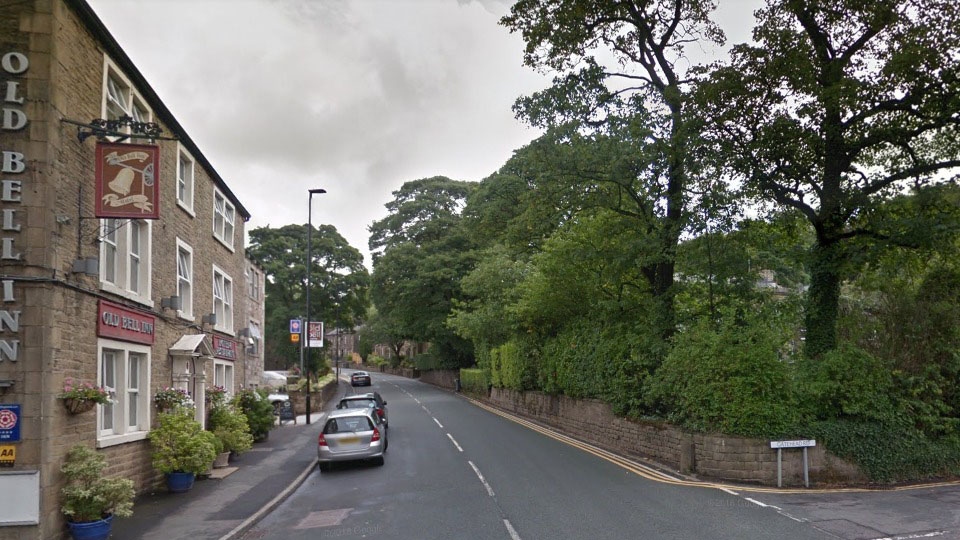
(823, 301)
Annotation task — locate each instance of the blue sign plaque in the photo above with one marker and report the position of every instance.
(295, 326)
(9, 423)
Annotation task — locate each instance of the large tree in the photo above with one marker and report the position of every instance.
(643, 78)
(838, 105)
(420, 253)
(339, 283)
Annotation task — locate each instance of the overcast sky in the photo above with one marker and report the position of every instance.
(356, 97)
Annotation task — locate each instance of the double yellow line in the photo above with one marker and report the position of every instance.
(651, 473)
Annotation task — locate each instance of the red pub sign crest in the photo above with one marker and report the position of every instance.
(127, 181)
(122, 323)
(225, 349)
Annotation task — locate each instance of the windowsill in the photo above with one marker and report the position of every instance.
(111, 288)
(114, 440)
(186, 208)
(226, 245)
(186, 316)
(228, 331)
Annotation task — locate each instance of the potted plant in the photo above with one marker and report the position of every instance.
(258, 410)
(182, 449)
(88, 499)
(231, 428)
(81, 397)
(169, 398)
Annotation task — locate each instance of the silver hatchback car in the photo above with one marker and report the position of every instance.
(350, 435)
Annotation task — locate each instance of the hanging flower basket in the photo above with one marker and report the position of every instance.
(78, 405)
(81, 397)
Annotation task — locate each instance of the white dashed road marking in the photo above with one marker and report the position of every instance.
(482, 479)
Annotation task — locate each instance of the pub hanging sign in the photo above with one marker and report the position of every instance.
(127, 181)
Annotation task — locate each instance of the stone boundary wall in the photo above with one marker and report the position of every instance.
(711, 456)
(444, 378)
(317, 399)
(705, 455)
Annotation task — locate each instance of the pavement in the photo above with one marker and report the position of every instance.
(232, 500)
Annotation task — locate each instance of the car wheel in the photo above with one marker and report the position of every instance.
(324, 467)
(378, 461)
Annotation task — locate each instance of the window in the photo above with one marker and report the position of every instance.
(185, 279)
(185, 169)
(253, 283)
(223, 375)
(125, 258)
(223, 216)
(253, 346)
(223, 300)
(125, 371)
(120, 99)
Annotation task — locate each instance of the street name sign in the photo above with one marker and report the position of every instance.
(793, 444)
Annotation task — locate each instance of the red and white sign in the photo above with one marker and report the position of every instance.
(225, 349)
(119, 322)
(127, 181)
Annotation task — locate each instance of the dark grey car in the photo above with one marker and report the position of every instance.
(370, 400)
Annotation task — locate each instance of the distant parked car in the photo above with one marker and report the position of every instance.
(360, 378)
(351, 435)
(371, 400)
(276, 380)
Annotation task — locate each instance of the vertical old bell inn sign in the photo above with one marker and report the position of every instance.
(127, 181)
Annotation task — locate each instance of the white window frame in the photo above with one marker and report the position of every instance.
(253, 283)
(224, 375)
(256, 336)
(188, 181)
(186, 307)
(121, 97)
(225, 295)
(117, 240)
(227, 218)
(122, 432)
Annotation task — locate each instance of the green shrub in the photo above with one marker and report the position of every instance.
(180, 444)
(513, 366)
(847, 382)
(258, 410)
(231, 428)
(729, 379)
(891, 450)
(89, 496)
(474, 382)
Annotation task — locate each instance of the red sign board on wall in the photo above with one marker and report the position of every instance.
(122, 323)
(225, 349)
(128, 181)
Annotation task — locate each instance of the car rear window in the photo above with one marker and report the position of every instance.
(347, 424)
(357, 404)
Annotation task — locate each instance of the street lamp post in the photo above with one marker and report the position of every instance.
(311, 193)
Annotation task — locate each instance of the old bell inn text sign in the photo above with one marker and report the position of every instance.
(127, 183)
(121, 323)
(14, 66)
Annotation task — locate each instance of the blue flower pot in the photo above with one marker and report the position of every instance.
(91, 530)
(178, 482)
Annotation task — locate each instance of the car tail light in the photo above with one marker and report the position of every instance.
(376, 435)
(380, 413)
(322, 441)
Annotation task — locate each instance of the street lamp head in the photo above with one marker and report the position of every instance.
(316, 191)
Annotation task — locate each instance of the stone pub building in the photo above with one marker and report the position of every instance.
(122, 260)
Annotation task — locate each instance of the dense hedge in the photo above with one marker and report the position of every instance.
(513, 365)
(474, 382)
(890, 451)
(728, 378)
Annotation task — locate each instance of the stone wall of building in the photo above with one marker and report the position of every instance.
(52, 211)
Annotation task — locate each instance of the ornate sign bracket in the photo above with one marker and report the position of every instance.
(101, 129)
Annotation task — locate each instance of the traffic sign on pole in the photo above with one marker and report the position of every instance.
(295, 326)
